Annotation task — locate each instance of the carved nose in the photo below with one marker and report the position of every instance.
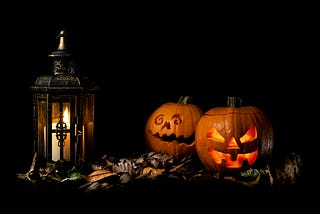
(166, 125)
(232, 144)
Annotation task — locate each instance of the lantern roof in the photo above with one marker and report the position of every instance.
(63, 76)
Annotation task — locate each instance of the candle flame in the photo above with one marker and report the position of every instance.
(66, 115)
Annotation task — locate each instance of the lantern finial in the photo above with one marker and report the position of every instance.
(63, 63)
(63, 41)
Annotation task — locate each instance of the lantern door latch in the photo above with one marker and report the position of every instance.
(78, 132)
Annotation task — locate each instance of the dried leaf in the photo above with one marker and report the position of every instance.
(152, 171)
(125, 178)
(154, 163)
(125, 166)
(92, 187)
(176, 168)
(22, 176)
(244, 183)
(140, 160)
(98, 175)
(76, 176)
(251, 183)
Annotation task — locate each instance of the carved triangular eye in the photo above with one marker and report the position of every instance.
(250, 135)
(214, 135)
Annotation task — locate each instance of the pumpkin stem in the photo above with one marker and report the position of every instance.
(234, 101)
(184, 100)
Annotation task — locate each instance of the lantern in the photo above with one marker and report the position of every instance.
(63, 109)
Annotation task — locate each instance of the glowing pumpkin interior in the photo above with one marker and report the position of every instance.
(233, 153)
(233, 138)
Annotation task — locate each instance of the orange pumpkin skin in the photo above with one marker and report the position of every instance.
(234, 138)
(171, 128)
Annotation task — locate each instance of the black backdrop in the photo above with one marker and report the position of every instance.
(142, 61)
(145, 56)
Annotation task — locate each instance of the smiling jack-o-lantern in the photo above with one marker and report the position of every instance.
(171, 127)
(234, 138)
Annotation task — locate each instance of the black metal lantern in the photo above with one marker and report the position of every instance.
(63, 106)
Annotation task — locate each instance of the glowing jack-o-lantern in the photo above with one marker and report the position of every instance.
(234, 138)
(171, 127)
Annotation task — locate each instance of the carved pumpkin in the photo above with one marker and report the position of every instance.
(234, 138)
(171, 127)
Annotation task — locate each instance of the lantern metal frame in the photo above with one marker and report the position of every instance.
(56, 137)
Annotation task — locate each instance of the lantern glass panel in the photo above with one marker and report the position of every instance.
(41, 146)
(61, 115)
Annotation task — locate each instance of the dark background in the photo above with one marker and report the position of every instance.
(144, 58)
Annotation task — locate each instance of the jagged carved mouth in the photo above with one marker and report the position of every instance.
(231, 160)
(173, 137)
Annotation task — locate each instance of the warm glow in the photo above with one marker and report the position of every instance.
(232, 144)
(55, 143)
(217, 157)
(66, 117)
(214, 135)
(250, 135)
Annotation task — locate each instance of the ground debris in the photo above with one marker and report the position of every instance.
(113, 174)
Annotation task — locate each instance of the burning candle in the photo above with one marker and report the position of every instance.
(56, 150)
